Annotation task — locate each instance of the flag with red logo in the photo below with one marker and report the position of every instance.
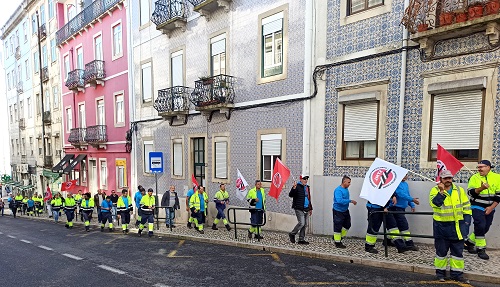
(280, 175)
(446, 161)
(194, 181)
(241, 186)
(68, 185)
(381, 181)
(48, 195)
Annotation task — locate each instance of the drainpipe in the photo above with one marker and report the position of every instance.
(131, 99)
(402, 89)
(308, 58)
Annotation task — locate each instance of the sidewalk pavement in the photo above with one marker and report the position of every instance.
(322, 247)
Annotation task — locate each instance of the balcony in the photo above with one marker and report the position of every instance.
(75, 81)
(91, 14)
(19, 88)
(170, 15)
(432, 21)
(173, 103)
(94, 73)
(77, 137)
(18, 53)
(47, 118)
(97, 136)
(43, 32)
(207, 7)
(214, 93)
(45, 74)
(22, 124)
(48, 161)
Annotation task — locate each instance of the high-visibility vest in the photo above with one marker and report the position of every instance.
(88, 207)
(120, 204)
(56, 203)
(486, 197)
(454, 206)
(146, 202)
(252, 194)
(69, 203)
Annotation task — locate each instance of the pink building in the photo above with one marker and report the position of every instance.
(94, 71)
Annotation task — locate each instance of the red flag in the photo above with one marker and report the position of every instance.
(446, 161)
(68, 185)
(195, 182)
(48, 195)
(281, 173)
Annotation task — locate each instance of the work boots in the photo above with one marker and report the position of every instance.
(481, 253)
(214, 227)
(228, 227)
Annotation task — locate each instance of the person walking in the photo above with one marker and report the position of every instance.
(114, 201)
(30, 204)
(56, 204)
(106, 216)
(38, 204)
(341, 215)
(47, 199)
(24, 204)
(188, 197)
(19, 202)
(301, 194)
(98, 199)
(148, 204)
(256, 197)
(69, 210)
(78, 201)
(2, 206)
(198, 206)
(137, 200)
(12, 205)
(450, 204)
(221, 200)
(124, 207)
(171, 200)
(484, 192)
(87, 206)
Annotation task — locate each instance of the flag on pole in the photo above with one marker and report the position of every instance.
(280, 175)
(48, 195)
(381, 181)
(241, 186)
(68, 185)
(194, 181)
(446, 161)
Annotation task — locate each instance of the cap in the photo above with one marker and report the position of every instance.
(445, 173)
(303, 176)
(486, 162)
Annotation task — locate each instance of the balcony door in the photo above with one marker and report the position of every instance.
(81, 116)
(199, 160)
(93, 175)
(177, 79)
(101, 119)
(79, 58)
(98, 48)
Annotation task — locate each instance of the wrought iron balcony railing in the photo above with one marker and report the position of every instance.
(75, 81)
(43, 31)
(18, 53)
(94, 73)
(175, 99)
(19, 88)
(48, 161)
(216, 90)
(22, 124)
(91, 13)
(96, 135)
(45, 74)
(47, 117)
(170, 14)
(77, 137)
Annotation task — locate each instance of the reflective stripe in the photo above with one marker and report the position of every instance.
(370, 239)
(456, 264)
(344, 232)
(337, 237)
(440, 263)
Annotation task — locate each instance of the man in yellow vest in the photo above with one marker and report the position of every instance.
(256, 197)
(198, 203)
(57, 204)
(148, 204)
(124, 207)
(451, 208)
(221, 200)
(69, 209)
(87, 207)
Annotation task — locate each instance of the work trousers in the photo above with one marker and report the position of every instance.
(256, 219)
(341, 224)
(456, 259)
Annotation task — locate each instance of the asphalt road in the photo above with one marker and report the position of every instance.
(41, 253)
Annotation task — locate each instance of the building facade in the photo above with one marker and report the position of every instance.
(93, 61)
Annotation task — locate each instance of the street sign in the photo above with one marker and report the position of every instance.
(155, 162)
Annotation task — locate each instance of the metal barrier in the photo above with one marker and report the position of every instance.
(384, 224)
(245, 223)
(157, 212)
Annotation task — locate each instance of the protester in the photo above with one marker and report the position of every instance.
(87, 209)
(256, 197)
(13, 205)
(221, 200)
(69, 210)
(341, 215)
(98, 199)
(124, 207)
(106, 214)
(188, 197)
(56, 204)
(114, 200)
(301, 194)
(198, 206)
(137, 200)
(148, 204)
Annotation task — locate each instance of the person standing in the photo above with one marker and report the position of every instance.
(13, 205)
(221, 200)
(56, 204)
(40, 208)
(98, 199)
(124, 207)
(78, 201)
(198, 206)
(170, 200)
(341, 215)
(484, 192)
(449, 204)
(19, 201)
(148, 204)
(47, 199)
(188, 197)
(301, 194)
(137, 200)
(24, 204)
(114, 200)
(2, 205)
(69, 209)
(87, 209)
(256, 197)
(106, 216)
(30, 203)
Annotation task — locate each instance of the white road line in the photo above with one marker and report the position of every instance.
(10, 236)
(105, 267)
(25, 241)
(160, 285)
(72, 256)
(1, 232)
(45, 247)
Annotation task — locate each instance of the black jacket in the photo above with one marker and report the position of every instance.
(165, 200)
(298, 194)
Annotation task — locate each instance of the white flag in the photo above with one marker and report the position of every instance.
(381, 181)
(241, 186)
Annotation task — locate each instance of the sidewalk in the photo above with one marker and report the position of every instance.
(322, 247)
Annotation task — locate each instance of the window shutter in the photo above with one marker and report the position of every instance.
(360, 121)
(271, 147)
(272, 27)
(177, 159)
(219, 47)
(221, 159)
(456, 120)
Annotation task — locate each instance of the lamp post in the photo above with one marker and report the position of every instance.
(41, 85)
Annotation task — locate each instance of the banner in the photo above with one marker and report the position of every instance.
(281, 173)
(68, 185)
(195, 182)
(381, 181)
(241, 186)
(446, 161)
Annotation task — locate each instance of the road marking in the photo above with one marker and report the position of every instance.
(25, 241)
(105, 267)
(173, 252)
(1, 232)
(45, 247)
(10, 236)
(160, 285)
(111, 241)
(72, 256)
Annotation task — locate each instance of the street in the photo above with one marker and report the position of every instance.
(41, 253)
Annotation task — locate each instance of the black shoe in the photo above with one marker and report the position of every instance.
(461, 279)
(150, 233)
(202, 231)
(470, 247)
(371, 249)
(412, 248)
(140, 232)
(228, 227)
(481, 253)
(87, 228)
(173, 226)
(402, 250)
(214, 227)
(71, 227)
(389, 243)
(258, 236)
(249, 234)
(102, 229)
(66, 225)
(292, 237)
(303, 242)
(168, 226)
(340, 245)
(189, 225)
(111, 230)
(123, 231)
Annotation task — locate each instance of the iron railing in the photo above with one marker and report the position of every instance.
(172, 99)
(19, 88)
(167, 10)
(75, 79)
(96, 134)
(77, 136)
(94, 71)
(18, 53)
(45, 74)
(213, 90)
(234, 221)
(47, 118)
(82, 19)
(43, 31)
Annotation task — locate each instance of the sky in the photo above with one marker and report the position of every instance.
(8, 7)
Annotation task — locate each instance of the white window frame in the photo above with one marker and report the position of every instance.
(119, 118)
(219, 142)
(25, 30)
(175, 161)
(144, 13)
(79, 49)
(69, 119)
(27, 68)
(113, 52)
(121, 174)
(144, 66)
(66, 66)
(98, 108)
(29, 107)
(213, 56)
(174, 69)
(98, 55)
(55, 94)
(82, 119)
(103, 176)
(53, 50)
(349, 19)
(145, 155)
(267, 138)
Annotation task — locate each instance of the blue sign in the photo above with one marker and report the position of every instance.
(155, 162)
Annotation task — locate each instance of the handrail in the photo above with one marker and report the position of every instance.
(245, 223)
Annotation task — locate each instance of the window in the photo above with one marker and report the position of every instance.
(71, 12)
(38, 105)
(53, 51)
(176, 63)
(81, 116)
(34, 28)
(36, 62)
(30, 107)
(443, 131)
(69, 120)
(101, 117)
(103, 174)
(8, 81)
(17, 146)
(360, 130)
(218, 55)
(148, 147)
(21, 108)
(119, 110)
(356, 6)
(66, 66)
(11, 115)
(121, 173)
(47, 100)
(144, 10)
(25, 31)
(19, 74)
(146, 82)
(83, 170)
(117, 41)
(199, 160)
(79, 58)
(42, 14)
(39, 147)
(270, 151)
(27, 66)
(177, 162)
(16, 115)
(98, 48)
(272, 49)
(220, 157)
(44, 56)
(51, 9)
(56, 97)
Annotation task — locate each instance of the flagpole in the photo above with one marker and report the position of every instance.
(419, 175)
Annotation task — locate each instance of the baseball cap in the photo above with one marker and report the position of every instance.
(304, 176)
(486, 162)
(445, 173)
